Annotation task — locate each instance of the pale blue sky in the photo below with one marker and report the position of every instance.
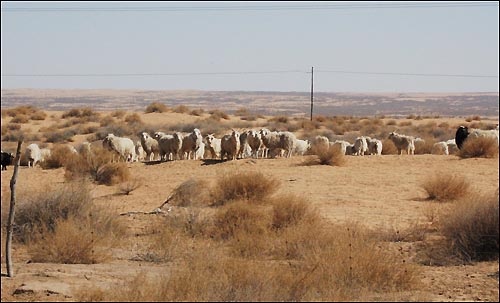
(418, 40)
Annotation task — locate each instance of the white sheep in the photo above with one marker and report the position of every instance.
(139, 151)
(33, 154)
(360, 146)
(301, 147)
(200, 152)
(212, 144)
(440, 148)
(403, 142)
(255, 142)
(349, 150)
(150, 146)
(124, 147)
(374, 146)
(287, 143)
(341, 145)
(191, 143)
(170, 146)
(230, 145)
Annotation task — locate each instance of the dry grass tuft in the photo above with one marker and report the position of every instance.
(251, 186)
(326, 156)
(112, 173)
(129, 186)
(133, 118)
(445, 187)
(156, 107)
(480, 147)
(471, 227)
(388, 147)
(59, 156)
(193, 192)
(290, 210)
(181, 109)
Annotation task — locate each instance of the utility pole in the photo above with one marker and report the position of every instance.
(312, 81)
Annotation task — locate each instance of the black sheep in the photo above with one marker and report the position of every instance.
(461, 135)
(7, 159)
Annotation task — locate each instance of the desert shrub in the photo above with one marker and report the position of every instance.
(197, 112)
(242, 111)
(106, 121)
(74, 241)
(424, 147)
(388, 147)
(280, 119)
(471, 227)
(129, 186)
(218, 114)
(181, 109)
(156, 107)
(87, 165)
(112, 173)
(9, 127)
(308, 125)
(62, 226)
(480, 147)
(250, 117)
(120, 113)
(405, 123)
(391, 122)
(289, 210)
(20, 119)
(59, 156)
(445, 187)
(39, 115)
(25, 110)
(193, 192)
(34, 210)
(251, 186)
(85, 114)
(239, 218)
(133, 118)
(326, 156)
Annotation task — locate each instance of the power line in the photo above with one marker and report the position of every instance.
(248, 73)
(406, 74)
(155, 74)
(249, 8)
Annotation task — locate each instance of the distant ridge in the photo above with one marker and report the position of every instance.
(290, 103)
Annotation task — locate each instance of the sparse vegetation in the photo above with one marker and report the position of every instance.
(445, 187)
(156, 107)
(326, 156)
(479, 148)
(112, 173)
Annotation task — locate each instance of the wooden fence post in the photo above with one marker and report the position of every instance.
(10, 223)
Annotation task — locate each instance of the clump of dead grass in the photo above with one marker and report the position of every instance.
(59, 156)
(326, 156)
(471, 227)
(480, 147)
(129, 186)
(193, 192)
(250, 186)
(112, 173)
(445, 187)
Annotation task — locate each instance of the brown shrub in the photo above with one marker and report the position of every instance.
(87, 114)
(445, 187)
(218, 114)
(424, 147)
(251, 186)
(289, 210)
(326, 156)
(39, 115)
(120, 113)
(181, 109)
(112, 173)
(242, 111)
(471, 227)
(129, 186)
(193, 192)
(405, 123)
(106, 121)
(238, 219)
(197, 112)
(480, 147)
(388, 147)
(87, 165)
(20, 119)
(59, 156)
(279, 119)
(391, 122)
(133, 118)
(156, 107)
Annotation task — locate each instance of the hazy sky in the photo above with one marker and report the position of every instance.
(288, 37)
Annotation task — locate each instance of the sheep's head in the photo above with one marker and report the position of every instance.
(235, 134)
(209, 139)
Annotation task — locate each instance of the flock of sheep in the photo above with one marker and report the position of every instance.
(252, 143)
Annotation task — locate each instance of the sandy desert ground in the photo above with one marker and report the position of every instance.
(379, 192)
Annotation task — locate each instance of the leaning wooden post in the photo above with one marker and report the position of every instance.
(10, 223)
